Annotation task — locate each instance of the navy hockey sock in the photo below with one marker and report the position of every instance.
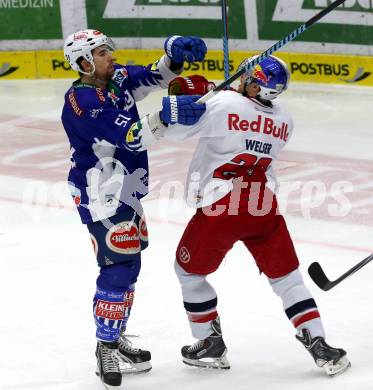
(113, 299)
(108, 311)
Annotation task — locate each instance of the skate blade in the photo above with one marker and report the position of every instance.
(108, 387)
(338, 368)
(127, 367)
(221, 363)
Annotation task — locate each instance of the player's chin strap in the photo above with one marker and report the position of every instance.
(264, 102)
(91, 73)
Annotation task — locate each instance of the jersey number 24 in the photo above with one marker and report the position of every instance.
(244, 165)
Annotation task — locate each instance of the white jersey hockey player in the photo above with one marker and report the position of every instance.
(238, 130)
(232, 184)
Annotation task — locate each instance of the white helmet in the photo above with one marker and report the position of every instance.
(272, 75)
(81, 44)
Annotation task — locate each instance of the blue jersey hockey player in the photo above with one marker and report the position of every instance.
(109, 173)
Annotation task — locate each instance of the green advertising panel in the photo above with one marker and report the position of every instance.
(159, 18)
(350, 23)
(30, 19)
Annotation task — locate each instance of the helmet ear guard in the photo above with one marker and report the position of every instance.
(271, 74)
(81, 44)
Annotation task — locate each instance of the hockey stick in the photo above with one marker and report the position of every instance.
(318, 275)
(224, 17)
(294, 34)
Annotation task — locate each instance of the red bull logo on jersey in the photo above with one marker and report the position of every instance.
(261, 124)
(259, 74)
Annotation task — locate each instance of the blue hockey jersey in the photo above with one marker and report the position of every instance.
(105, 176)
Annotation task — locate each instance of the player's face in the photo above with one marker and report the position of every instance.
(103, 59)
(252, 89)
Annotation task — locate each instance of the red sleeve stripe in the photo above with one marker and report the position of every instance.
(305, 317)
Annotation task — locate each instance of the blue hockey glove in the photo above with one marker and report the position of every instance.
(180, 49)
(181, 109)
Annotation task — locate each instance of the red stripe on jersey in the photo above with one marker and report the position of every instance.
(306, 317)
(200, 318)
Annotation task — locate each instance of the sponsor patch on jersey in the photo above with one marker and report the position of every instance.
(110, 310)
(74, 104)
(100, 95)
(154, 66)
(94, 244)
(262, 124)
(119, 76)
(93, 113)
(133, 139)
(113, 97)
(76, 194)
(123, 238)
(143, 230)
(184, 255)
(130, 137)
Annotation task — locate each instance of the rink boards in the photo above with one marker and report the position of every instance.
(304, 67)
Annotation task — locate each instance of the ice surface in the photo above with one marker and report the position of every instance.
(48, 269)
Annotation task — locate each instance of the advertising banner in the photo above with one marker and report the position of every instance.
(17, 65)
(304, 67)
(144, 24)
(30, 19)
(350, 23)
(160, 18)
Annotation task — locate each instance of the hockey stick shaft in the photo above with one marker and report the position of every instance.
(278, 45)
(224, 15)
(317, 274)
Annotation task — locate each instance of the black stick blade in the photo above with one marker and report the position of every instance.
(318, 276)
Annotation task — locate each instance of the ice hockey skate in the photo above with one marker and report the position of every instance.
(333, 360)
(132, 360)
(207, 353)
(107, 365)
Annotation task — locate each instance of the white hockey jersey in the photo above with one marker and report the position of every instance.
(234, 131)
